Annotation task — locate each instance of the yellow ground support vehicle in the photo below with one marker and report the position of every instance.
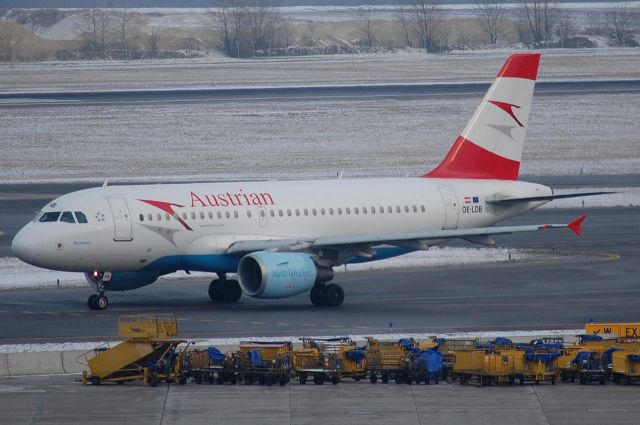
(449, 348)
(312, 363)
(388, 360)
(329, 360)
(625, 366)
(211, 366)
(535, 366)
(266, 363)
(147, 353)
(478, 366)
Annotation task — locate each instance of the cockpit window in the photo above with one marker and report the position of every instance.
(81, 217)
(49, 217)
(67, 217)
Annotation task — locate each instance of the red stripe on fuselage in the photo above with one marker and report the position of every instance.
(521, 65)
(467, 160)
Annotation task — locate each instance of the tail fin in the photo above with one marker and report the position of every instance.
(490, 147)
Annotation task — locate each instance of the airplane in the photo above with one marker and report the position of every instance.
(283, 238)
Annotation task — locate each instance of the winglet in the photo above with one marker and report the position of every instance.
(575, 225)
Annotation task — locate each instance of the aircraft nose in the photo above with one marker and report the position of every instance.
(25, 245)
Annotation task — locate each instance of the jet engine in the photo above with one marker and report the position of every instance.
(279, 275)
(120, 281)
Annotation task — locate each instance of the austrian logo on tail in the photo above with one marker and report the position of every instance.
(508, 108)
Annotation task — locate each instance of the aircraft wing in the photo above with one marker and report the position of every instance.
(418, 240)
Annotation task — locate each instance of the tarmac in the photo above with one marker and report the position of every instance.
(60, 399)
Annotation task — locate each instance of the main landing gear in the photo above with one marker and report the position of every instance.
(224, 291)
(323, 295)
(97, 302)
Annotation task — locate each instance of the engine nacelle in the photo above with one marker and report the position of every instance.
(279, 275)
(121, 281)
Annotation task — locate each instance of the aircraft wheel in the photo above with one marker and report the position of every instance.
(102, 302)
(216, 291)
(232, 291)
(316, 295)
(92, 302)
(333, 295)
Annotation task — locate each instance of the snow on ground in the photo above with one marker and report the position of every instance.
(15, 274)
(568, 135)
(228, 343)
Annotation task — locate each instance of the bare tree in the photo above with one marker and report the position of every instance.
(124, 19)
(428, 17)
(540, 16)
(490, 13)
(564, 29)
(96, 27)
(286, 34)
(368, 25)
(620, 20)
(404, 21)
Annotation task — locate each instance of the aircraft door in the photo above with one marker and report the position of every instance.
(262, 216)
(121, 219)
(450, 207)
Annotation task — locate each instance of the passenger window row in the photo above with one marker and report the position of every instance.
(64, 217)
(289, 212)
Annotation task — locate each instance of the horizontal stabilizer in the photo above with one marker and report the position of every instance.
(502, 201)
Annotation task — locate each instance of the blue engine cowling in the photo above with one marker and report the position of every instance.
(122, 281)
(279, 275)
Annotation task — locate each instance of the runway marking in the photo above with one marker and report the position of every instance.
(77, 314)
(1, 233)
(283, 324)
(309, 325)
(336, 326)
(180, 319)
(231, 321)
(257, 323)
(205, 320)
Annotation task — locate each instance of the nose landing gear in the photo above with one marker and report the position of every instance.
(97, 302)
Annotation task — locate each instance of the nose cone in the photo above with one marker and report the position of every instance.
(25, 245)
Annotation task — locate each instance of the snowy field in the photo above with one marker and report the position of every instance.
(568, 135)
(15, 274)
(406, 66)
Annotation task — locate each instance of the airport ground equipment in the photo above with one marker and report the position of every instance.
(591, 366)
(391, 360)
(625, 366)
(148, 353)
(329, 360)
(212, 366)
(427, 366)
(449, 348)
(480, 367)
(266, 363)
(536, 366)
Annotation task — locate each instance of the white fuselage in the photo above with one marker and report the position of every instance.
(168, 227)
